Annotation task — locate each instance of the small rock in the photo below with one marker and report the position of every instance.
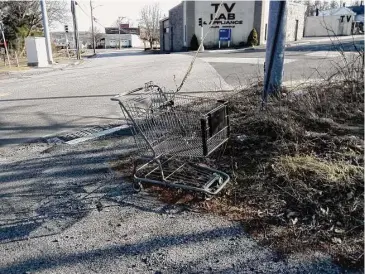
(336, 240)
(339, 231)
(119, 225)
(242, 138)
(99, 206)
(55, 241)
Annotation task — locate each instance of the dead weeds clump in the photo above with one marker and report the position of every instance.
(298, 170)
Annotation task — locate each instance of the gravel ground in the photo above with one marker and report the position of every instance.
(63, 210)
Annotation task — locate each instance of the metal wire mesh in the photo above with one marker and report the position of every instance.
(168, 126)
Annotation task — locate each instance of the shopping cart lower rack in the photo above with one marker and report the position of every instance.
(176, 131)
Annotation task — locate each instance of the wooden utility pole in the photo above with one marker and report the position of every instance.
(92, 27)
(76, 30)
(275, 48)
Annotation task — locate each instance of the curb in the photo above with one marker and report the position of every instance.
(228, 50)
(39, 71)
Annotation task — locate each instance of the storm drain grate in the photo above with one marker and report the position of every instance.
(88, 134)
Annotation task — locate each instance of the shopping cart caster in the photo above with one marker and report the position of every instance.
(137, 186)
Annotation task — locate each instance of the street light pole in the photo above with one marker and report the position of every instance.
(46, 31)
(92, 27)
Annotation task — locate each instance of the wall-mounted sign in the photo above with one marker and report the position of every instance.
(225, 34)
(225, 16)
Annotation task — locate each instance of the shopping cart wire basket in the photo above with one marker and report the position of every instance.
(174, 131)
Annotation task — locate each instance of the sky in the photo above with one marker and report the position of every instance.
(107, 12)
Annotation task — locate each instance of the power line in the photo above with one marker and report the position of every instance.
(94, 18)
(79, 5)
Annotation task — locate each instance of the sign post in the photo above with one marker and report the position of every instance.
(224, 35)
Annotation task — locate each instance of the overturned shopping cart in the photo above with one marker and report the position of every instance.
(175, 131)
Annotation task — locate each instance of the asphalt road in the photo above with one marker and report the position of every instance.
(303, 61)
(37, 105)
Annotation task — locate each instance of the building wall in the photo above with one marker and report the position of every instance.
(242, 10)
(136, 42)
(190, 21)
(240, 16)
(112, 40)
(328, 25)
(176, 22)
(295, 13)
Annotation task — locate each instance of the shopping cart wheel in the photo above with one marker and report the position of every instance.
(137, 186)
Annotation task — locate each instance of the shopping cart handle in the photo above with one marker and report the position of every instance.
(116, 97)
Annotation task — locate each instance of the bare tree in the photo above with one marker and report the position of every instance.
(334, 4)
(121, 20)
(24, 18)
(97, 34)
(149, 23)
(311, 6)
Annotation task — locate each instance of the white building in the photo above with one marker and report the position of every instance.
(126, 41)
(333, 22)
(128, 37)
(194, 17)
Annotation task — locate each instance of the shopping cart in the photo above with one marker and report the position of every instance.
(175, 131)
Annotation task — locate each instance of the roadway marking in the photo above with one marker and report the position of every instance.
(4, 94)
(232, 60)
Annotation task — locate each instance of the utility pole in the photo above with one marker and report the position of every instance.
(92, 27)
(46, 31)
(119, 21)
(5, 44)
(76, 31)
(275, 48)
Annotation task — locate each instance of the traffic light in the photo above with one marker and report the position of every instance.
(66, 28)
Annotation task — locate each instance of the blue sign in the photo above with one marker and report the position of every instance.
(225, 34)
